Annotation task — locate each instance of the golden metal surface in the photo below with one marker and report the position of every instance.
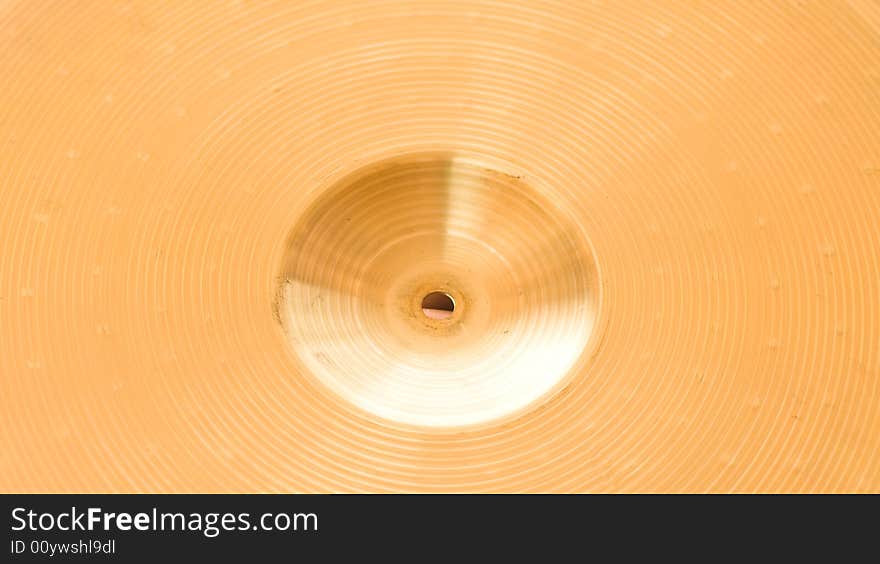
(519, 270)
(658, 224)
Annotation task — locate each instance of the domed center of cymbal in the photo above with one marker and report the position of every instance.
(436, 290)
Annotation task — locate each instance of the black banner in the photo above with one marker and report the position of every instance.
(128, 528)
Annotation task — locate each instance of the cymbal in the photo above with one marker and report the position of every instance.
(438, 246)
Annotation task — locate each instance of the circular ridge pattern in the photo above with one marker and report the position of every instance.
(361, 260)
(721, 159)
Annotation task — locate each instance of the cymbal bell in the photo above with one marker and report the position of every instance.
(437, 246)
(519, 274)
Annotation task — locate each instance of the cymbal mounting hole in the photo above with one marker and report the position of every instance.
(438, 305)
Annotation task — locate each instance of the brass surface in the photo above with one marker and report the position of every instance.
(659, 223)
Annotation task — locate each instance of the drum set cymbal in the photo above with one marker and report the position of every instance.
(440, 246)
